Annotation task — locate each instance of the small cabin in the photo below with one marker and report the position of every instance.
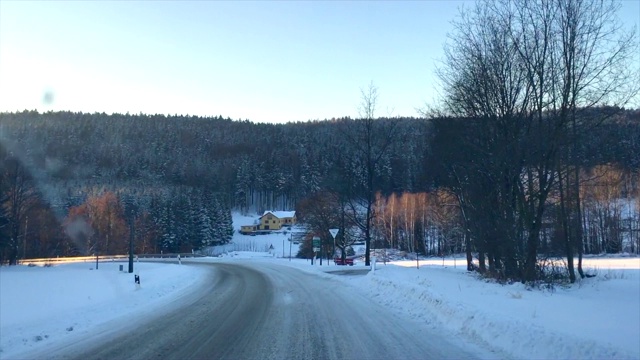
(248, 229)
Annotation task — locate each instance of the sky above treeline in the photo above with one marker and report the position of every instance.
(264, 61)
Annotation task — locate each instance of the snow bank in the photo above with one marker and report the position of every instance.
(596, 319)
(41, 306)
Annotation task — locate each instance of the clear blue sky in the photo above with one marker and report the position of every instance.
(263, 61)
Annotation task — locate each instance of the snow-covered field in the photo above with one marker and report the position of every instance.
(596, 319)
(43, 306)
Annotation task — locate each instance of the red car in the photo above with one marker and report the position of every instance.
(347, 261)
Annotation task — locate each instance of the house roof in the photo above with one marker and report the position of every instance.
(280, 214)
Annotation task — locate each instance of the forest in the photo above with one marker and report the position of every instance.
(178, 178)
(533, 153)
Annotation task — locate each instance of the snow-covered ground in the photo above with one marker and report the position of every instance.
(599, 318)
(596, 319)
(43, 306)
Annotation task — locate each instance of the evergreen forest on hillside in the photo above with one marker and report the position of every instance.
(532, 153)
(179, 177)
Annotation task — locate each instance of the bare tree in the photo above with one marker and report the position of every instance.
(4, 221)
(324, 211)
(520, 70)
(19, 197)
(483, 82)
(594, 53)
(371, 139)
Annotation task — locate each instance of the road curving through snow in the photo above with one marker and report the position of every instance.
(267, 311)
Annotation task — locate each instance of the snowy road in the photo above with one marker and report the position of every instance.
(268, 311)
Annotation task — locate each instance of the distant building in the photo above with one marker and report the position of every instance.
(275, 220)
(248, 229)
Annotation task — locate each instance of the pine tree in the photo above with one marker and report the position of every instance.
(206, 235)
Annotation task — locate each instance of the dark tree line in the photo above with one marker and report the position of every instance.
(67, 158)
(41, 216)
(261, 166)
(534, 102)
(71, 157)
(526, 84)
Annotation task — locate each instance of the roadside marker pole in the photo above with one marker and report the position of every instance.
(290, 242)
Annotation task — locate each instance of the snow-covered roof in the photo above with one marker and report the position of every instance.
(281, 214)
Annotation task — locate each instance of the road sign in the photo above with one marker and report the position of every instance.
(334, 232)
(316, 241)
(316, 249)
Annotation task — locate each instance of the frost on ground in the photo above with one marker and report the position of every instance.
(45, 306)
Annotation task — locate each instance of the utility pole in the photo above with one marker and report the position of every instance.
(24, 238)
(97, 252)
(290, 242)
(321, 253)
(131, 243)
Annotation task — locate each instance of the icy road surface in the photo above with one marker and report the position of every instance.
(268, 311)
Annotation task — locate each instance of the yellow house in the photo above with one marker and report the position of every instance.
(275, 220)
